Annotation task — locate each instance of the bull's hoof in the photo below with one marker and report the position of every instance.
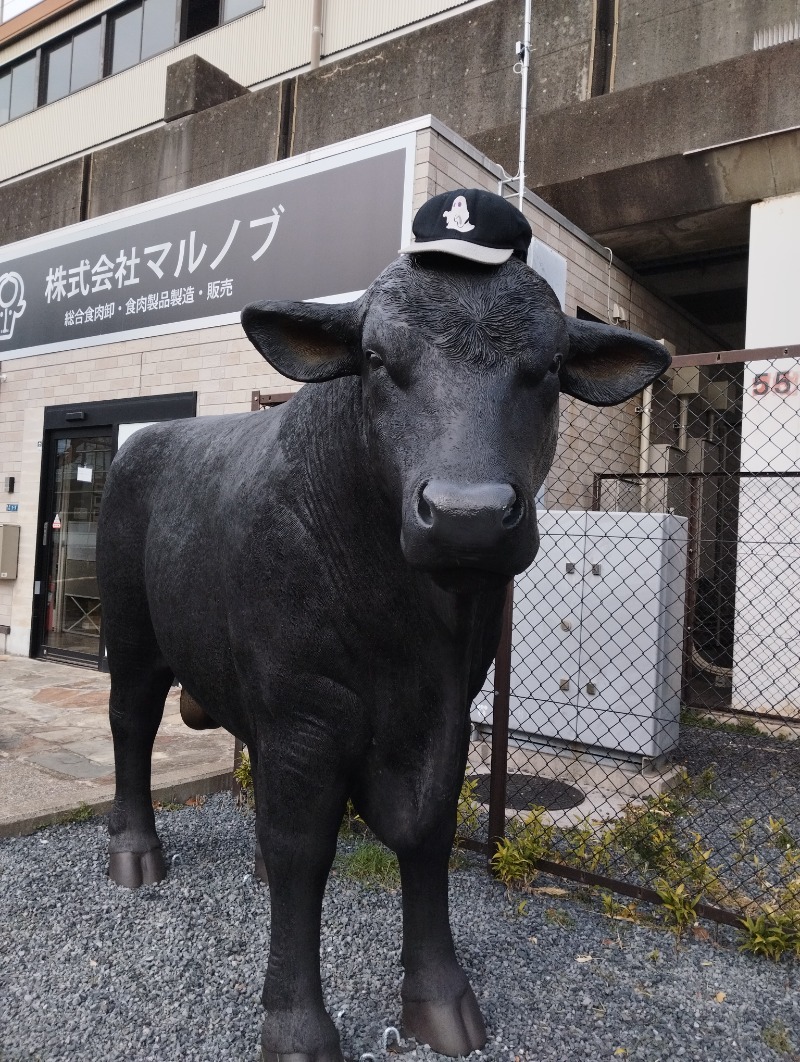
(303, 1034)
(260, 868)
(452, 1028)
(132, 869)
(326, 1055)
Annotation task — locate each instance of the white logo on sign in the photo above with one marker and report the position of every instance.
(458, 215)
(12, 303)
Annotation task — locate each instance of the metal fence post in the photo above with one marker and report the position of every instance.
(500, 710)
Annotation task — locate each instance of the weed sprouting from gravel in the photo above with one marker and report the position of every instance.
(776, 1036)
(371, 864)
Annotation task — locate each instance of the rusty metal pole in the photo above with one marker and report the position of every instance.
(500, 712)
(238, 748)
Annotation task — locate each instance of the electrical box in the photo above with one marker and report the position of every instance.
(9, 550)
(597, 644)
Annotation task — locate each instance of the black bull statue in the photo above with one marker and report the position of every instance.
(327, 581)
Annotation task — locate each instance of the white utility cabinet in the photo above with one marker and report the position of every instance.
(598, 633)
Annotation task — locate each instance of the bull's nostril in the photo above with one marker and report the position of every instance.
(424, 510)
(512, 512)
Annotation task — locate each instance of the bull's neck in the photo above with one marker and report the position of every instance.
(355, 516)
(331, 446)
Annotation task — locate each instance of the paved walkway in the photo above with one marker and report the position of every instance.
(56, 751)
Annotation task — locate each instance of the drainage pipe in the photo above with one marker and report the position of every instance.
(316, 33)
(644, 443)
(683, 423)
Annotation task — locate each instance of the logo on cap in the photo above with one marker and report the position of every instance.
(470, 223)
(458, 216)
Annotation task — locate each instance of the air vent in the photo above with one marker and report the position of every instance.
(787, 31)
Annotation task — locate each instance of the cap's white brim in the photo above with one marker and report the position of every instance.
(461, 249)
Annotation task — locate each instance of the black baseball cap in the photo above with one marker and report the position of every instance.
(470, 223)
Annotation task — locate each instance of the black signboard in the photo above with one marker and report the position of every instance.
(291, 235)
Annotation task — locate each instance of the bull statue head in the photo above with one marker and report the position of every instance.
(461, 364)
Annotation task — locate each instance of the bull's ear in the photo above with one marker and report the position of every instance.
(306, 341)
(606, 365)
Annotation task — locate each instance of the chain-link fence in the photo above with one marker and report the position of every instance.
(650, 671)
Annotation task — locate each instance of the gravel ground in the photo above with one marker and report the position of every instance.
(90, 971)
(755, 776)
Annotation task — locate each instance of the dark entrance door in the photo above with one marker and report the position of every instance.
(78, 462)
(79, 444)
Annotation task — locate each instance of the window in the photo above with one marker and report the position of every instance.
(72, 64)
(23, 87)
(126, 39)
(127, 35)
(235, 8)
(199, 16)
(87, 57)
(139, 32)
(159, 27)
(5, 96)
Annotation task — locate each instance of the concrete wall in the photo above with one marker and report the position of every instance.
(660, 38)
(233, 137)
(460, 69)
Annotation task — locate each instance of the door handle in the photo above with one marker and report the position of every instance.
(44, 533)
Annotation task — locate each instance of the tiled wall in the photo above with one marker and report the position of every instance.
(222, 366)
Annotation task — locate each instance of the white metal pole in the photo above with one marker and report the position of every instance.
(525, 59)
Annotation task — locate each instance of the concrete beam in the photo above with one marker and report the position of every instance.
(214, 143)
(618, 165)
(47, 200)
(194, 84)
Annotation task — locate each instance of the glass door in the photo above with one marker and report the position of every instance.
(71, 617)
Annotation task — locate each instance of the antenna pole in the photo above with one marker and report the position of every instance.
(525, 62)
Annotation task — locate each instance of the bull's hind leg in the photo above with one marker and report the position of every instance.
(140, 681)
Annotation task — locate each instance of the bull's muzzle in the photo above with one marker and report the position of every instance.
(476, 516)
(468, 526)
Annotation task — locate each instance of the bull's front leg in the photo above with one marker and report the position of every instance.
(439, 1006)
(300, 801)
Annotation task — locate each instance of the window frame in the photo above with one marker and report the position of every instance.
(105, 22)
(36, 58)
(58, 42)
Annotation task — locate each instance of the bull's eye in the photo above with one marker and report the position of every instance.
(556, 364)
(374, 360)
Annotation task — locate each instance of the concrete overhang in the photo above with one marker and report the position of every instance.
(670, 167)
(682, 204)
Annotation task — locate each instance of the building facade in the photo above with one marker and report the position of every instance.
(650, 133)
